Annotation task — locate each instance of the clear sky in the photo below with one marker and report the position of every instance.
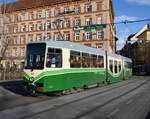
(130, 10)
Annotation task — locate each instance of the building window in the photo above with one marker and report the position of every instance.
(57, 12)
(8, 40)
(77, 22)
(67, 23)
(31, 27)
(99, 20)
(22, 52)
(67, 37)
(99, 46)
(15, 29)
(47, 25)
(100, 35)
(30, 38)
(8, 29)
(88, 35)
(39, 37)
(15, 40)
(48, 37)
(9, 19)
(15, 52)
(47, 13)
(77, 36)
(7, 53)
(22, 39)
(39, 15)
(88, 21)
(57, 37)
(23, 17)
(23, 28)
(77, 10)
(39, 27)
(89, 8)
(66, 10)
(16, 18)
(31, 15)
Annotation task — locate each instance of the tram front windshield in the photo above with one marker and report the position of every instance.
(35, 56)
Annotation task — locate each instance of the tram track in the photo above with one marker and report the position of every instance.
(90, 96)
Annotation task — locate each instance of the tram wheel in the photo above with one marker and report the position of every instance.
(33, 93)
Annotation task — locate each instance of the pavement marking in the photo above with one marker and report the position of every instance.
(113, 112)
(130, 101)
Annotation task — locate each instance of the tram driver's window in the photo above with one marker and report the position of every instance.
(111, 65)
(54, 58)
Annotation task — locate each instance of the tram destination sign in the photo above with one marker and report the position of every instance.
(89, 27)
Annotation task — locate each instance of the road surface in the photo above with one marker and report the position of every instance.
(129, 99)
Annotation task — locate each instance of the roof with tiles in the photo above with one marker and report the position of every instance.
(28, 4)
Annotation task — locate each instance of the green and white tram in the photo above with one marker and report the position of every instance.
(53, 66)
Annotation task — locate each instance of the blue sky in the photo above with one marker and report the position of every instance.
(130, 10)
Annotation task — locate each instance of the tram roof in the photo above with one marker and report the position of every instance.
(75, 46)
(81, 48)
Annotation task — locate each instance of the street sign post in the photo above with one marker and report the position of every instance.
(89, 27)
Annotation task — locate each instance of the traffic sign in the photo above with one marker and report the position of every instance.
(89, 27)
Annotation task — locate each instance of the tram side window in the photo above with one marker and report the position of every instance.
(75, 59)
(94, 61)
(125, 64)
(119, 66)
(100, 61)
(111, 65)
(85, 60)
(54, 58)
(116, 68)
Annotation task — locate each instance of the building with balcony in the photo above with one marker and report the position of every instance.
(33, 20)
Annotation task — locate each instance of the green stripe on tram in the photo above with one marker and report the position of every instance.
(64, 71)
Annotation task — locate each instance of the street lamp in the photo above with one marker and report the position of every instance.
(57, 24)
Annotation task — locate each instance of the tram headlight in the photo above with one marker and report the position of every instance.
(31, 79)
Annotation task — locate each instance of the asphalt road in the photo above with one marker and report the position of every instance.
(13, 95)
(129, 99)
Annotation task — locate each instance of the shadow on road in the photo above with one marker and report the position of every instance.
(14, 86)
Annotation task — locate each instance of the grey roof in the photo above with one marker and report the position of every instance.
(82, 48)
(119, 57)
(75, 46)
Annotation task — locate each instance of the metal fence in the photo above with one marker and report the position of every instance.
(11, 74)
